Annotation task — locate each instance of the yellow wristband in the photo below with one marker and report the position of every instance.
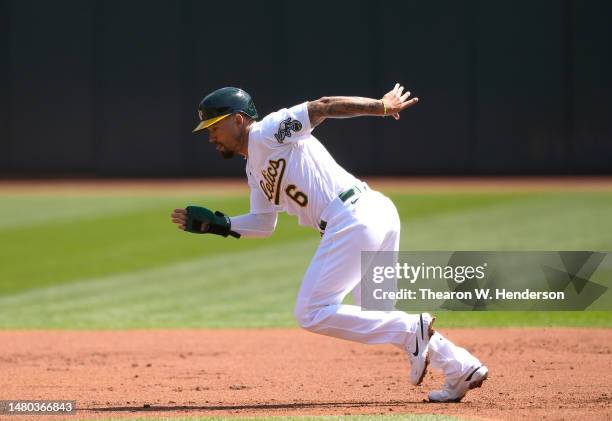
(384, 108)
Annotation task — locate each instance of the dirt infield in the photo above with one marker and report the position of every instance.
(539, 373)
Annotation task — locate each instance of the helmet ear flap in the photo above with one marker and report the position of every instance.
(251, 110)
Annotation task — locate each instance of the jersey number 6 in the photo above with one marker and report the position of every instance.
(296, 195)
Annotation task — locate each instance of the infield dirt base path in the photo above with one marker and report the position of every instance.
(535, 373)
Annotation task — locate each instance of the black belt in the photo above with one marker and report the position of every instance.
(344, 196)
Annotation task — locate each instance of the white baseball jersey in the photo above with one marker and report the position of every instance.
(288, 169)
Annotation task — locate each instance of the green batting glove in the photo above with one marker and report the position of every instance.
(203, 221)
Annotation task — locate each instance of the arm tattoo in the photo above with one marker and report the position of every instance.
(342, 107)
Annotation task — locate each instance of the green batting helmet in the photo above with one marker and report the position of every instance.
(223, 102)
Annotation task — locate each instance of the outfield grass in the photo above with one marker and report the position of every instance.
(117, 262)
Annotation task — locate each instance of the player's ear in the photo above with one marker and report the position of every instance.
(239, 119)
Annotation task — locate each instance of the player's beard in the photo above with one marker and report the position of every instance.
(227, 154)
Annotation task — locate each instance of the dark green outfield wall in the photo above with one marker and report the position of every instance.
(110, 88)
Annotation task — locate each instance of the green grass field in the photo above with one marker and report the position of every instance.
(115, 261)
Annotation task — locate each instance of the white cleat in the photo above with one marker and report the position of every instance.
(455, 390)
(419, 359)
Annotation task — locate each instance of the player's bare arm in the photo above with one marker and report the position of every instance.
(392, 103)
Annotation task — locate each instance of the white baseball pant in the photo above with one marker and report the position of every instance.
(370, 222)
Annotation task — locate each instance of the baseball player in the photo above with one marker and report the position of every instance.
(289, 170)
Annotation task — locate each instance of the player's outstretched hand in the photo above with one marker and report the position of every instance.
(397, 100)
(179, 217)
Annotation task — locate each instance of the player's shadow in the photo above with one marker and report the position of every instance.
(263, 406)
